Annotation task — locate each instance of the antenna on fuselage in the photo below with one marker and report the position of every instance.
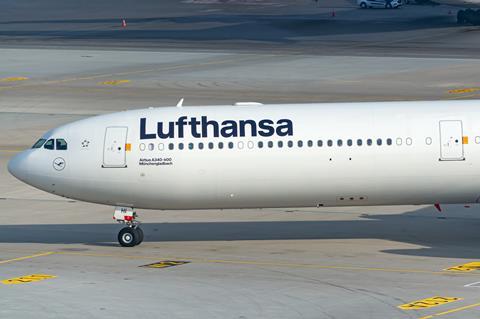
(180, 103)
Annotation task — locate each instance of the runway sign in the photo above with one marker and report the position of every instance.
(428, 303)
(26, 279)
(466, 267)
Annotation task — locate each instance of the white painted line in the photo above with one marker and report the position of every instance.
(473, 284)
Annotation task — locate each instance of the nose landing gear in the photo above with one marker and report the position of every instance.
(132, 234)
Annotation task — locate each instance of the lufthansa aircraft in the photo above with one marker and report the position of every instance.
(251, 155)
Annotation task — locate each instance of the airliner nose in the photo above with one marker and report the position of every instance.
(17, 166)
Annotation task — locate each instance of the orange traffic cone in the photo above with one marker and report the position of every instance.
(124, 23)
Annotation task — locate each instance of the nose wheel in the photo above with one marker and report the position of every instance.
(132, 234)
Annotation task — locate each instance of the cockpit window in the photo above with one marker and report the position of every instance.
(61, 144)
(50, 145)
(39, 143)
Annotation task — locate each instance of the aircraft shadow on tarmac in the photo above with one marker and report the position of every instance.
(451, 236)
(236, 27)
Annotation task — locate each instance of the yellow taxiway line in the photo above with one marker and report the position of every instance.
(451, 311)
(26, 257)
(270, 263)
(135, 72)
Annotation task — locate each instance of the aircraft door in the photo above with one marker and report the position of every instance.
(114, 152)
(451, 141)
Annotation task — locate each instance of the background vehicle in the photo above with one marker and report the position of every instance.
(364, 4)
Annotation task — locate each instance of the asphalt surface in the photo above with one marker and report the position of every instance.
(62, 61)
(330, 27)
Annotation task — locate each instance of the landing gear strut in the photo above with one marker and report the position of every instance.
(468, 16)
(132, 234)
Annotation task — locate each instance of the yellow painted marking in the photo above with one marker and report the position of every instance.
(168, 68)
(114, 82)
(428, 303)
(451, 311)
(462, 91)
(26, 257)
(128, 147)
(456, 97)
(26, 279)
(166, 264)
(475, 265)
(465, 140)
(270, 263)
(14, 79)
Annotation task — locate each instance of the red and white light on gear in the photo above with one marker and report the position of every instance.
(124, 214)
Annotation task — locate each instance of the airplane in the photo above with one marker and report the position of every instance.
(250, 155)
(464, 16)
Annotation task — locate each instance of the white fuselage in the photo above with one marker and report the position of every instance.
(429, 153)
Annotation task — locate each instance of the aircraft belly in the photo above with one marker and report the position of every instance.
(309, 184)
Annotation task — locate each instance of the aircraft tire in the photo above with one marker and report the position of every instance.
(363, 5)
(461, 17)
(470, 16)
(140, 235)
(128, 237)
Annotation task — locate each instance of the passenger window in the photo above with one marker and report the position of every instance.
(329, 142)
(379, 141)
(250, 144)
(41, 141)
(161, 147)
(319, 143)
(359, 142)
(180, 146)
(260, 144)
(220, 145)
(190, 146)
(49, 145)
(369, 142)
(290, 143)
(150, 147)
(280, 144)
(339, 142)
(300, 143)
(349, 142)
(171, 146)
(200, 146)
(270, 144)
(142, 147)
(230, 144)
(210, 145)
(389, 141)
(399, 141)
(310, 143)
(408, 141)
(240, 145)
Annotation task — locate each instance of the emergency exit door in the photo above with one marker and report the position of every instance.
(451, 141)
(114, 153)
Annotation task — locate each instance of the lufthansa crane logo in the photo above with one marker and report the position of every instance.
(59, 164)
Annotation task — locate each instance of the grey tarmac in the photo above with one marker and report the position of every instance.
(59, 65)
